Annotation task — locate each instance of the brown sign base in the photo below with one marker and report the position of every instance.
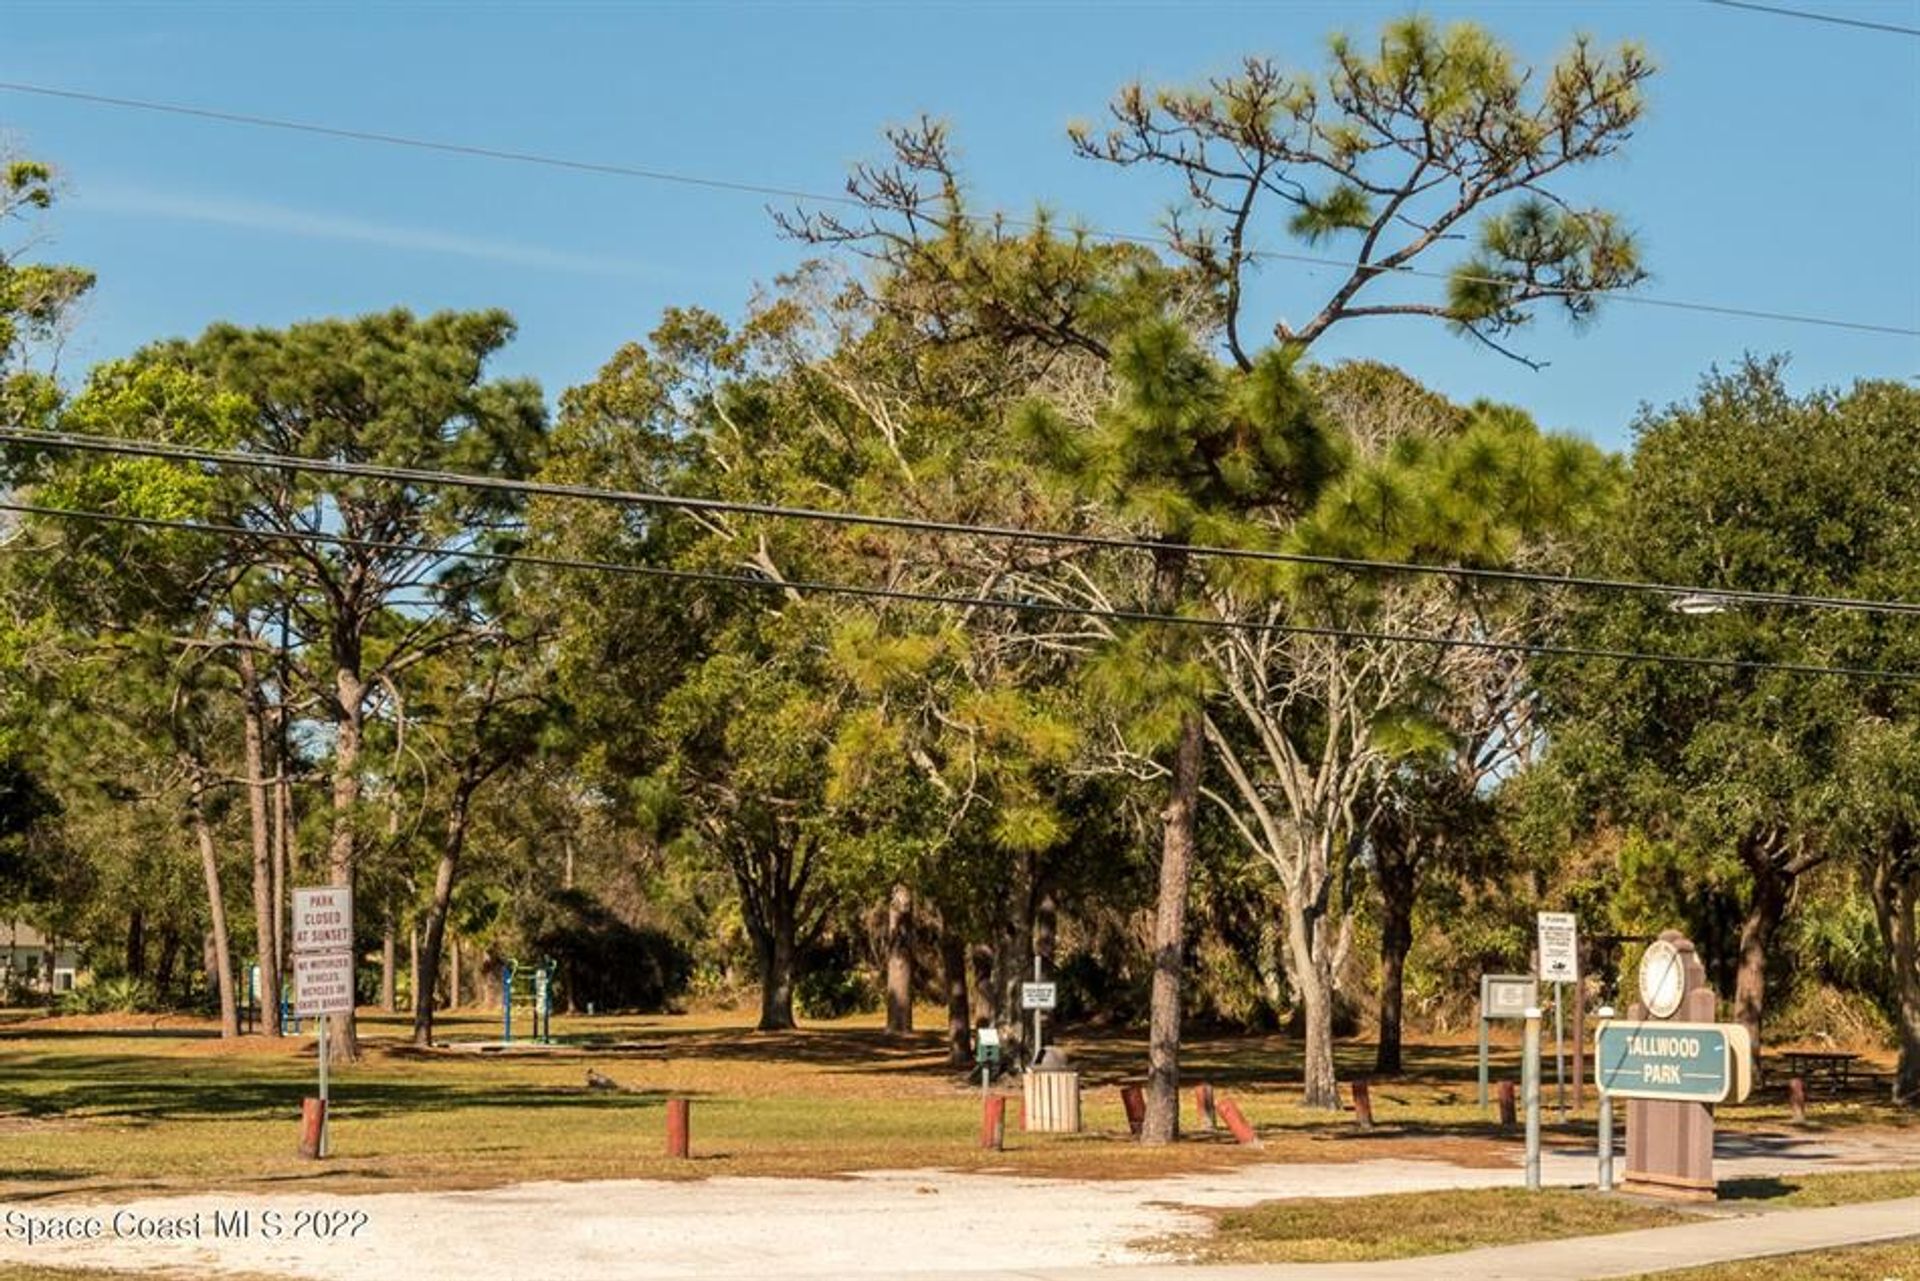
(1671, 1187)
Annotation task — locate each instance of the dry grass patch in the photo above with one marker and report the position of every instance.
(1408, 1224)
(1895, 1261)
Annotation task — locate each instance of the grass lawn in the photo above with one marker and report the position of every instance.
(1895, 1261)
(113, 1105)
(1405, 1224)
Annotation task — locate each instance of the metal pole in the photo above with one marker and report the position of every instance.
(1483, 1057)
(1606, 1123)
(1530, 1084)
(1036, 1013)
(506, 1003)
(324, 1118)
(1559, 1053)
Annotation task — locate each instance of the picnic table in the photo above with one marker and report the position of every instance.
(1833, 1065)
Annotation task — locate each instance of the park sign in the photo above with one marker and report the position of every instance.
(1559, 947)
(1038, 996)
(1688, 1062)
(1507, 996)
(323, 919)
(322, 983)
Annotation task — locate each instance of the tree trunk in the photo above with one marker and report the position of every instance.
(1178, 824)
(986, 1011)
(169, 958)
(1396, 871)
(775, 947)
(266, 915)
(216, 909)
(900, 961)
(1905, 922)
(1170, 935)
(413, 967)
(452, 846)
(953, 974)
(349, 694)
(1765, 909)
(453, 977)
(1311, 953)
(136, 944)
(389, 962)
(1013, 958)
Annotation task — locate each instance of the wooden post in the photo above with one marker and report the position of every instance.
(1134, 1099)
(1209, 1118)
(313, 1120)
(1363, 1103)
(1243, 1133)
(993, 1122)
(679, 1126)
(1507, 1111)
(1797, 1098)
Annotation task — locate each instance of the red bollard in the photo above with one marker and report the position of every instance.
(1242, 1132)
(993, 1122)
(1134, 1099)
(1507, 1113)
(1363, 1103)
(1797, 1098)
(679, 1126)
(1203, 1104)
(313, 1119)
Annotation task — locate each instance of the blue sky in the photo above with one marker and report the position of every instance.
(1778, 167)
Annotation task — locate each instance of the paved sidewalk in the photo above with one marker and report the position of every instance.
(1618, 1254)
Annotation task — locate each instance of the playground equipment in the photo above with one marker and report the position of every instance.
(539, 993)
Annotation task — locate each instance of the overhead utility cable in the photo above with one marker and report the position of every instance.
(649, 174)
(1021, 605)
(1712, 596)
(1833, 18)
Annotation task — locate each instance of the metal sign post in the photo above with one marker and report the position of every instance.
(1559, 934)
(1530, 1087)
(1038, 997)
(324, 1126)
(323, 971)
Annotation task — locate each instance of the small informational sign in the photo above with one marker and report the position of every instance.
(1559, 947)
(322, 983)
(1507, 996)
(986, 1046)
(1038, 996)
(323, 919)
(1694, 1062)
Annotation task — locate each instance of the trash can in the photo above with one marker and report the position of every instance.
(1052, 1094)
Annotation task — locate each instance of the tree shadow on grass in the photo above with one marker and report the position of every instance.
(116, 1088)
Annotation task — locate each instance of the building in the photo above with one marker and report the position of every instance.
(29, 963)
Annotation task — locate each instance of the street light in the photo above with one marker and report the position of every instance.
(1695, 604)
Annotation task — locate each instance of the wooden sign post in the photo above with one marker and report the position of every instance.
(1672, 1063)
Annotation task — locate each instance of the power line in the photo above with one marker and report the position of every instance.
(1029, 606)
(648, 174)
(640, 498)
(1811, 16)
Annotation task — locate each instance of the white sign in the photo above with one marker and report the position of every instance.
(323, 919)
(1559, 942)
(1037, 996)
(1507, 996)
(322, 983)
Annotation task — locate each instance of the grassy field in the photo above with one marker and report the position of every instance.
(1896, 1261)
(1405, 1225)
(110, 1105)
